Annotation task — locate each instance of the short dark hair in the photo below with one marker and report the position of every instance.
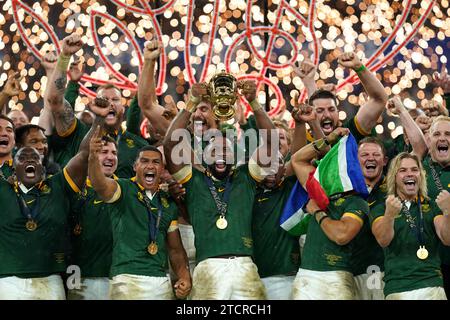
(150, 148)
(373, 140)
(2, 116)
(108, 139)
(322, 94)
(24, 130)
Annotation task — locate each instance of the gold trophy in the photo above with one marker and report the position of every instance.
(223, 94)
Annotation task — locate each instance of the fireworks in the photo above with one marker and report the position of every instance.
(404, 42)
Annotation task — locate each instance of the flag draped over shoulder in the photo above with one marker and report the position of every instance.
(338, 172)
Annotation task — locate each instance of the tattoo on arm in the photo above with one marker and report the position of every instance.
(65, 118)
(60, 83)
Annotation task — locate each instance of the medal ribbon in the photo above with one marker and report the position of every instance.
(418, 230)
(435, 176)
(28, 213)
(153, 223)
(221, 204)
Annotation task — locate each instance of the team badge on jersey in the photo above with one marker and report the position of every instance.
(164, 202)
(130, 143)
(140, 196)
(45, 189)
(426, 208)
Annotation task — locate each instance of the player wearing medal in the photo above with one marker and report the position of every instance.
(92, 234)
(368, 257)
(34, 221)
(437, 166)
(408, 226)
(70, 131)
(144, 228)
(222, 227)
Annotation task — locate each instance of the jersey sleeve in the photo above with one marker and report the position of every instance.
(356, 130)
(356, 208)
(72, 92)
(184, 174)
(134, 117)
(376, 212)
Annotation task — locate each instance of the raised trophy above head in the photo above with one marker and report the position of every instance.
(223, 93)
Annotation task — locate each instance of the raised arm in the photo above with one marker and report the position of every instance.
(173, 135)
(412, 130)
(73, 87)
(11, 89)
(107, 188)
(62, 110)
(262, 119)
(306, 70)
(443, 80)
(383, 227)
(147, 91)
(46, 117)
(77, 168)
(369, 113)
(301, 114)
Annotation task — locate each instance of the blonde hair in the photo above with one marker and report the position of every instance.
(436, 120)
(281, 124)
(393, 170)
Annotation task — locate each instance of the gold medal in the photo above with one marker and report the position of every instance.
(221, 223)
(31, 225)
(77, 229)
(422, 253)
(152, 248)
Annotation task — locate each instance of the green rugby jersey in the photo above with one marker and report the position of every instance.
(237, 237)
(433, 191)
(275, 251)
(92, 247)
(6, 170)
(322, 254)
(367, 250)
(404, 271)
(41, 252)
(130, 230)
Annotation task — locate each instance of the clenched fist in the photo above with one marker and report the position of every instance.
(337, 133)
(395, 106)
(71, 44)
(152, 50)
(100, 107)
(49, 61)
(443, 201)
(248, 89)
(12, 87)
(350, 60)
(306, 70)
(393, 206)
